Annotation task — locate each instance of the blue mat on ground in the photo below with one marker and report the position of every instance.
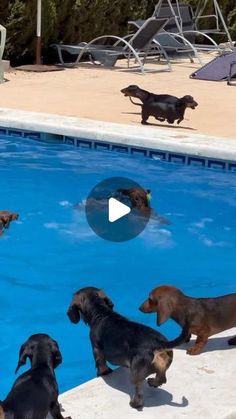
(216, 70)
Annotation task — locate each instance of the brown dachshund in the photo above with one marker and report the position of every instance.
(205, 316)
(139, 198)
(5, 218)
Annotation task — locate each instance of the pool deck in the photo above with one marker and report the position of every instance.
(94, 93)
(198, 387)
(142, 136)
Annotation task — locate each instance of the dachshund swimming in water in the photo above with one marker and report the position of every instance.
(6, 217)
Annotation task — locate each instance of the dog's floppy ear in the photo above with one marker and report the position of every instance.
(109, 302)
(25, 352)
(73, 313)
(57, 356)
(106, 299)
(164, 310)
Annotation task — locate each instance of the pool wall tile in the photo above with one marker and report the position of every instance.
(215, 164)
(102, 146)
(196, 161)
(32, 135)
(157, 155)
(176, 158)
(83, 143)
(15, 133)
(138, 151)
(3, 131)
(232, 167)
(122, 148)
(69, 140)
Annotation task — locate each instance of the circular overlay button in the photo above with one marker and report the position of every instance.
(117, 209)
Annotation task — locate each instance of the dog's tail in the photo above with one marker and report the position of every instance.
(179, 340)
(135, 103)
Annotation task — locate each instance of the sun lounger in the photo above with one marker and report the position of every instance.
(136, 46)
(173, 43)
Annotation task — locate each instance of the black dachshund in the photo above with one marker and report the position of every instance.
(122, 342)
(34, 394)
(161, 107)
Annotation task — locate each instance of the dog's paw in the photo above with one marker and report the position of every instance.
(193, 351)
(136, 404)
(154, 382)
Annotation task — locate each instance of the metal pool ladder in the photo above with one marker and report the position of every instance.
(2, 46)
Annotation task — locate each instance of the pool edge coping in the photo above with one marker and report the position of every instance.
(154, 138)
(211, 372)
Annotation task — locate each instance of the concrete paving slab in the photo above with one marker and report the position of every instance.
(198, 387)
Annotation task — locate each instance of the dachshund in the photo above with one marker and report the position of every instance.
(139, 198)
(5, 218)
(35, 393)
(145, 96)
(205, 316)
(162, 107)
(122, 342)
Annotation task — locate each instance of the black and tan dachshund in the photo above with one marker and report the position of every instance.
(122, 342)
(162, 106)
(34, 394)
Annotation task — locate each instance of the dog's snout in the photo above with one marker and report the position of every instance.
(145, 307)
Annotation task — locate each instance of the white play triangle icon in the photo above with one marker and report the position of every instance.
(117, 210)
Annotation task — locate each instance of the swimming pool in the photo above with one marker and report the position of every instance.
(50, 252)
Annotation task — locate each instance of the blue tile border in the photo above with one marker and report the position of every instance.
(154, 154)
(168, 156)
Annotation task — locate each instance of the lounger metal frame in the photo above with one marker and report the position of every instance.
(125, 46)
(184, 46)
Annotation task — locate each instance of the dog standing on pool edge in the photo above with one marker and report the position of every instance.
(35, 393)
(122, 342)
(205, 316)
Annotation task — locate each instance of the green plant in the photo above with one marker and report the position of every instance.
(72, 21)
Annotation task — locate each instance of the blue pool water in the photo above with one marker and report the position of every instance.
(51, 251)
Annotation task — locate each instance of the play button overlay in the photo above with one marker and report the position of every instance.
(117, 210)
